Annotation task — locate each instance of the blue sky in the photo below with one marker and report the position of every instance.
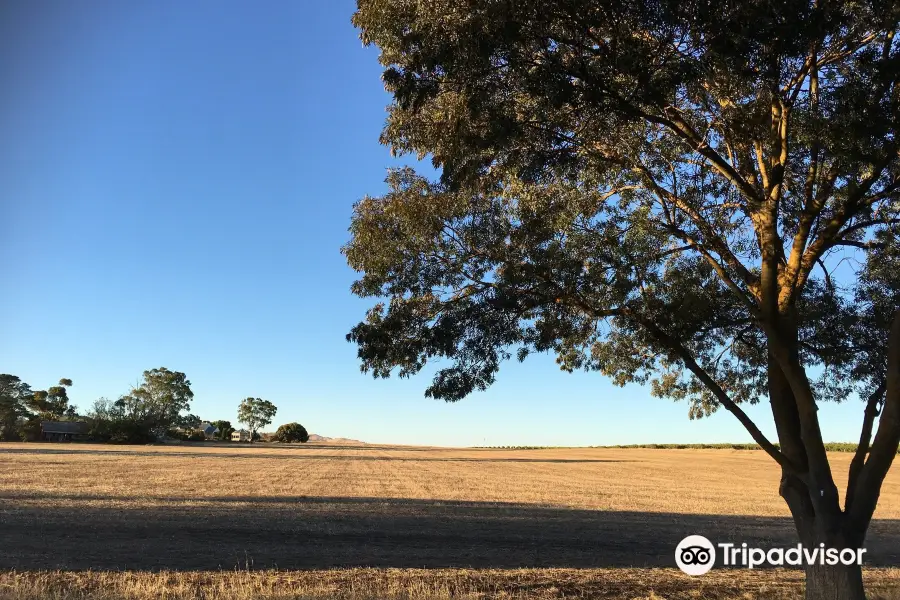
(176, 181)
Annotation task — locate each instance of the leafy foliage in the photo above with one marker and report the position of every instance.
(195, 435)
(188, 421)
(52, 403)
(290, 433)
(701, 197)
(22, 410)
(151, 410)
(579, 198)
(13, 394)
(157, 403)
(30, 428)
(156, 407)
(255, 413)
(109, 423)
(225, 430)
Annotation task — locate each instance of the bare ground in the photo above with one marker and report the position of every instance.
(591, 517)
(424, 584)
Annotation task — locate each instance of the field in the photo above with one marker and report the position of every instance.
(360, 521)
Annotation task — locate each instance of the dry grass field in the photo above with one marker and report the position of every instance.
(359, 521)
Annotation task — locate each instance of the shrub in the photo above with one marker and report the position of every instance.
(291, 432)
(186, 435)
(196, 436)
(120, 431)
(225, 430)
(30, 429)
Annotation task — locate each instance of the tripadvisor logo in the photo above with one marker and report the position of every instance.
(696, 555)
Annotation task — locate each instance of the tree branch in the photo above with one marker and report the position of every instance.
(683, 130)
(716, 243)
(865, 437)
(824, 494)
(718, 392)
(832, 230)
(887, 440)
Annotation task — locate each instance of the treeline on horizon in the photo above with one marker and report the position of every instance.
(155, 409)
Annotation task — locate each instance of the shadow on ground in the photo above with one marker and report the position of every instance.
(74, 450)
(69, 531)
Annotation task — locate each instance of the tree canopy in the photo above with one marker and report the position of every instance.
(224, 429)
(291, 432)
(52, 403)
(256, 413)
(159, 400)
(22, 409)
(14, 393)
(699, 196)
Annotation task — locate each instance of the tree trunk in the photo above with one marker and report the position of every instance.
(817, 514)
(824, 582)
(832, 582)
(838, 582)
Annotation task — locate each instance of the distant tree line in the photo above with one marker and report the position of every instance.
(22, 409)
(157, 408)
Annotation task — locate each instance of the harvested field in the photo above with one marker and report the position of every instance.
(481, 522)
(422, 584)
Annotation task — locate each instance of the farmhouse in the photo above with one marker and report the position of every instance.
(63, 431)
(240, 436)
(209, 430)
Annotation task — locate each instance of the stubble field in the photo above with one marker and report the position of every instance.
(359, 521)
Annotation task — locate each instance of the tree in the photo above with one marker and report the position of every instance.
(52, 403)
(158, 401)
(188, 422)
(256, 413)
(40, 405)
(290, 433)
(661, 191)
(13, 395)
(104, 409)
(109, 423)
(225, 430)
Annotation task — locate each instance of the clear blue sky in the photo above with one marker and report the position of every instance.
(176, 181)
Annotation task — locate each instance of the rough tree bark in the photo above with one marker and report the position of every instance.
(840, 582)
(824, 582)
(816, 512)
(807, 487)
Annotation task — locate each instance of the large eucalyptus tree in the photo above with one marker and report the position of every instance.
(701, 195)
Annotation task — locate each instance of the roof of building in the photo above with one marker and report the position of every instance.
(64, 427)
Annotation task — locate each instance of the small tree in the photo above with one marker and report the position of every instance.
(52, 403)
(158, 402)
(291, 432)
(188, 422)
(109, 423)
(224, 430)
(13, 395)
(256, 413)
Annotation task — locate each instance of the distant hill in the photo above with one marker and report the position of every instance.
(314, 437)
